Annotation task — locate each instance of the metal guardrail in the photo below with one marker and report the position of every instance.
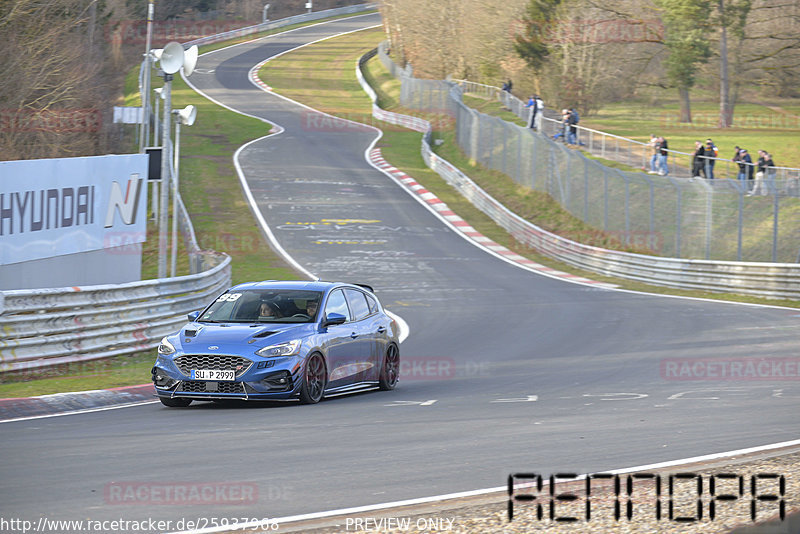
(775, 280)
(46, 327)
(280, 23)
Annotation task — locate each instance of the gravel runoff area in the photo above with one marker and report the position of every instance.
(488, 514)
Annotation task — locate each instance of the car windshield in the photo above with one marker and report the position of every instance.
(263, 306)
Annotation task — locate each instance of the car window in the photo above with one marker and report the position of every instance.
(276, 305)
(358, 303)
(337, 304)
(373, 304)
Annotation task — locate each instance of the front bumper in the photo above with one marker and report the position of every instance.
(277, 378)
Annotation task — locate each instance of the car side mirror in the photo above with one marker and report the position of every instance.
(193, 316)
(333, 319)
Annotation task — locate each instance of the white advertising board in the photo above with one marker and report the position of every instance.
(54, 207)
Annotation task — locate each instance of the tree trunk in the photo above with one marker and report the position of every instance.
(686, 106)
(725, 111)
(92, 21)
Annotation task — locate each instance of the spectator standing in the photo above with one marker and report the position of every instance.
(765, 175)
(737, 158)
(711, 152)
(573, 127)
(539, 113)
(699, 160)
(654, 144)
(745, 166)
(761, 165)
(663, 151)
(532, 104)
(564, 124)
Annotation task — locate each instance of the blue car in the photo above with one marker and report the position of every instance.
(280, 340)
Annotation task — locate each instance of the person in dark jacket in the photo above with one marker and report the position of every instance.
(765, 171)
(745, 166)
(737, 159)
(573, 127)
(699, 160)
(663, 151)
(711, 152)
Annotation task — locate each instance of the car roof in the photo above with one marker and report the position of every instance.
(308, 285)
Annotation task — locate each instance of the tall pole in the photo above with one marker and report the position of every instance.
(175, 197)
(166, 167)
(156, 141)
(157, 91)
(144, 132)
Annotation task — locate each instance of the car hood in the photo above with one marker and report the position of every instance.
(237, 337)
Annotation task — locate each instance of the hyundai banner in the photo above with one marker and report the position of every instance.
(54, 207)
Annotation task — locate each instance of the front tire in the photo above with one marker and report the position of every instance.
(391, 369)
(175, 403)
(315, 378)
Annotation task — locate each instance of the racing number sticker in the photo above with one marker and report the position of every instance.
(229, 297)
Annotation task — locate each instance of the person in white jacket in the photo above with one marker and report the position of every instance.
(539, 113)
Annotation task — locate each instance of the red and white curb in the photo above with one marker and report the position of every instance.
(253, 74)
(463, 227)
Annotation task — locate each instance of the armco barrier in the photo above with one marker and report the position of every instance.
(274, 24)
(775, 280)
(45, 327)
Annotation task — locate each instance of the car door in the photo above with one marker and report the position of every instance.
(382, 328)
(366, 330)
(340, 340)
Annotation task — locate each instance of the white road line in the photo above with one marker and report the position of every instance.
(77, 412)
(486, 491)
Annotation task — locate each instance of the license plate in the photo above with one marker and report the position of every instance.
(213, 374)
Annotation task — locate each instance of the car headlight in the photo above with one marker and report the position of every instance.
(166, 347)
(289, 348)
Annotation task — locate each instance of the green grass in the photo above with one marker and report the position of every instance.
(100, 374)
(772, 126)
(283, 29)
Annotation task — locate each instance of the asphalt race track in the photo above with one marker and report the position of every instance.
(509, 371)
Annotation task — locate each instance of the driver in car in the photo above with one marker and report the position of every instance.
(269, 310)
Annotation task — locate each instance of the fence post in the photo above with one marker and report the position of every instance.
(586, 190)
(741, 224)
(505, 143)
(775, 212)
(605, 198)
(709, 218)
(627, 206)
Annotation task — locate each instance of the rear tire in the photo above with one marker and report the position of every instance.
(315, 378)
(175, 403)
(390, 372)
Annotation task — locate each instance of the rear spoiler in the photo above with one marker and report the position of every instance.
(365, 286)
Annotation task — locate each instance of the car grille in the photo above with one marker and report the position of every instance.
(187, 362)
(199, 386)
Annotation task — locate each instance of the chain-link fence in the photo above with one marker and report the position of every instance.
(667, 215)
(629, 151)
